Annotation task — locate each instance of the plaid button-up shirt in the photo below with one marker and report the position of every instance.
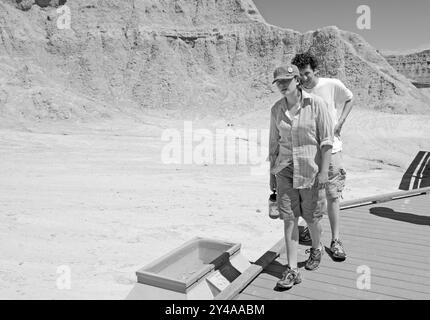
(298, 140)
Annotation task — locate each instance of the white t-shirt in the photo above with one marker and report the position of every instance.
(335, 94)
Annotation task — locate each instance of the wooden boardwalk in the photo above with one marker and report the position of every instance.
(390, 239)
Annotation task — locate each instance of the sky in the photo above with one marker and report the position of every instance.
(395, 25)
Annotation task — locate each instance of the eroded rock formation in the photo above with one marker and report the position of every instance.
(27, 4)
(414, 66)
(177, 57)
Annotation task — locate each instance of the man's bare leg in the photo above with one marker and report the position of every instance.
(291, 233)
(333, 208)
(336, 247)
(316, 231)
(317, 250)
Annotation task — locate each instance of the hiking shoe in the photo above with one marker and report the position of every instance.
(314, 258)
(337, 250)
(290, 277)
(305, 235)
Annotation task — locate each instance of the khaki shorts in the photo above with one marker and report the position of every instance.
(292, 203)
(336, 177)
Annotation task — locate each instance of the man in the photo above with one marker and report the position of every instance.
(301, 138)
(337, 97)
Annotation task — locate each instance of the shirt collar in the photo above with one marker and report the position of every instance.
(303, 102)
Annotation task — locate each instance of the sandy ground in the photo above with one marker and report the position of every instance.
(101, 202)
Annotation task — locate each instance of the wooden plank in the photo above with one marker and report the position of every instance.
(351, 248)
(381, 279)
(334, 284)
(318, 290)
(367, 219)
(253, 271)
(417, 206)
(371, 246)
(382, 266)
(371, 260)
(396, 251)
(410, 201)
(370, 220)
(374, 244)
(374, 241)
(416, 235)
(363, 255)
(406, 220)
(412, 216)
(376, 251)
(269, 293)
(376, 277)
(384, 197)
(402, 227)
(386, 242)
(372, 254)
(299, 292)
(336, 267)
(376, 230)
(420, 200)
(408, 207)
(245, 296)
(386, 235)
(239, 283)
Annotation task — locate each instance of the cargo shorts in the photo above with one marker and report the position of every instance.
(293, 203)
(336, 177)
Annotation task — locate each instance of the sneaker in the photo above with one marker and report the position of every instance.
(314, 258)
(305, 235)
(290, 277)
(337, 250)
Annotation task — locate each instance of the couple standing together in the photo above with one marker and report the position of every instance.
(305, 158)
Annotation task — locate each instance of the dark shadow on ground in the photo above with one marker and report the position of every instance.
(307, 242)
(400, 216)
(276, 269)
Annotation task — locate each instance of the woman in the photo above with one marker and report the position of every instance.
(301, 138)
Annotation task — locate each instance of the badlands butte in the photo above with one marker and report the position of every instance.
(83, 110)
(415, 66)
(179, 57)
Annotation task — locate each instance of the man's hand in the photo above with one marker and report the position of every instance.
(338, 129)
(322, 179)
(272, 182)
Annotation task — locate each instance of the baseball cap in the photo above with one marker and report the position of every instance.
(285, 72)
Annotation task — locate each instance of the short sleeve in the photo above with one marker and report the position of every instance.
(341, 93)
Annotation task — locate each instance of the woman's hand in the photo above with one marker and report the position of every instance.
(272, 182)
(338, 129)
(322, 179)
